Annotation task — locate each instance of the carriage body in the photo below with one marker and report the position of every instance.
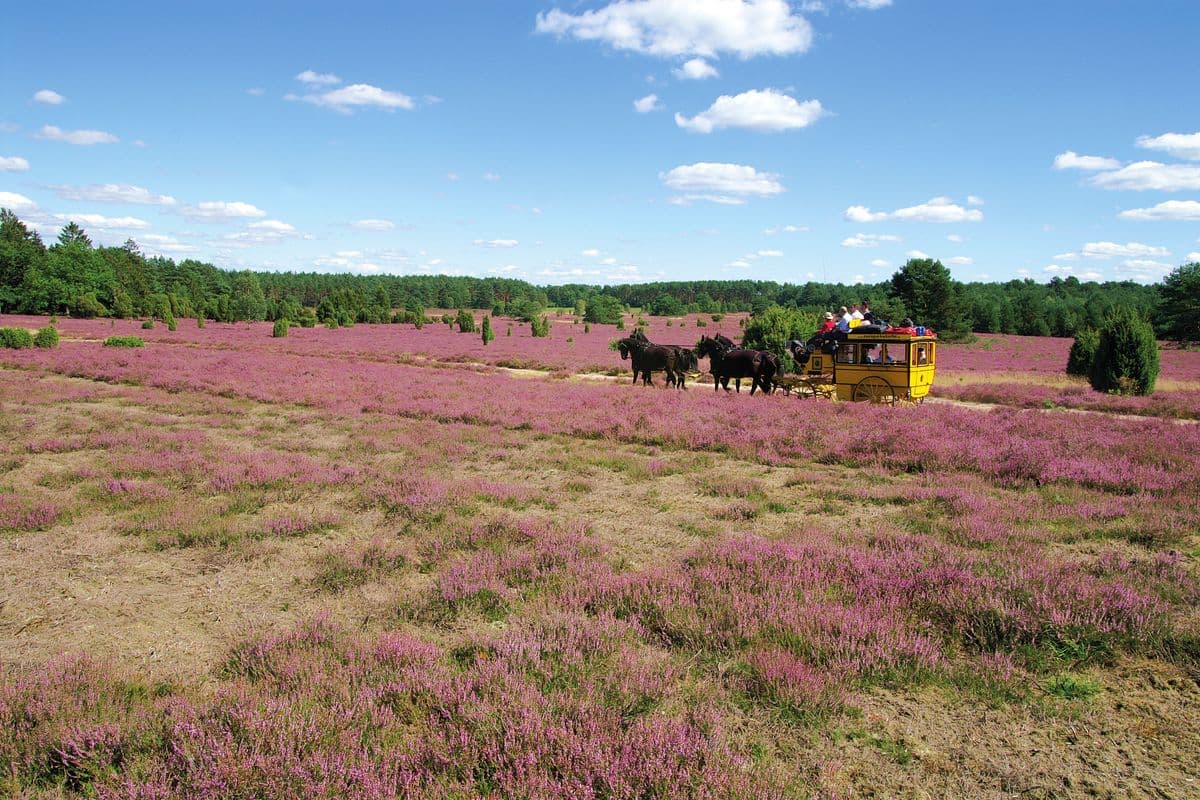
(884, 367)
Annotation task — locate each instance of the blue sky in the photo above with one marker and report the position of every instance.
(610, 142)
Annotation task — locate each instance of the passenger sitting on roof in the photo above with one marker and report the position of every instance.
(844, 323)
(828, 324)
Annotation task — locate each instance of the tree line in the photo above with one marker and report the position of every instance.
(74, 276)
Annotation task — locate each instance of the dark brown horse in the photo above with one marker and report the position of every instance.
(685, 361)
(727, 362)
(647, 358)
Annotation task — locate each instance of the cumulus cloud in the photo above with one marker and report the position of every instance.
(1194, 257)
(1105, 250)
(870, 5)
(318, 78)
(1180, 145)
(377, 225)
(671, 28)
(1169, 210)
(868, 239)
(13, 164)
(49, 97)
(916, 254)
(1072, 160)
(55, 134)
(16, 202)
(496, 244)
(765, 110)
(114, 193)
(778, 229)
(104, 223)
(880, 263)
(1143, 270)
(695, 69)
(644, 105)
(591, 252)
(160, 243)
(954, 237)
(267, 231)
(1150, 175)
(357, 95)
(728, 184)
(960, 261)
(939, 209)
(221, 211)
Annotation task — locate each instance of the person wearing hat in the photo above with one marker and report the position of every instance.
(828, 324)
(844, 323)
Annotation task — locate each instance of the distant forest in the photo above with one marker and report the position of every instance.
(72, 276)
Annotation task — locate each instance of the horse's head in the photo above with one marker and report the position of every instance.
(639, 334)
(724, 341)
(706, 347)
(630, 345)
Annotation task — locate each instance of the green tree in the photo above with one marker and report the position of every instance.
(930, 296)
(1180, 307)
(488, 335)
(775, 326)
(666, 305)
(247, 301)
(21, 250)
(466, 321)
(1126, 356)
(603, 308)
(73, 234)
(1083, 352)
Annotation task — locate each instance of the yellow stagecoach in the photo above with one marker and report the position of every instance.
(878, 367)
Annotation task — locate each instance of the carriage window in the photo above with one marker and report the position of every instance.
(921, 356)
(870, 353)
(895, 354)
(847, 354)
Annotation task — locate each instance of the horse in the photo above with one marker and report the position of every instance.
(685, 360)
(725, 363)
(771, 365)
(647, 358)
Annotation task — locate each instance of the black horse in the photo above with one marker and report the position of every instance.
(647, 358)
(726, 362)
(685, 360)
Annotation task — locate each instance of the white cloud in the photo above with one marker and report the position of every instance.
(158, 243)
(939, 209)
(1056, 269)
(645, 105)
(769, 254)
(15, 202)
(256, 91)
(728, 184)
(869, 239)
(49, 97)
(879, 263)
(591, 252)
(104, 223)
(960, 261)
(357, 95)
(739, 264)
(1193, 257)
(496, 243)
(1128, 250)
(1180, 145)
(765, 110)
(954, 237)
(671, 28)
(221, 211)
(377, 225)
(1143, 270)
(1072, 160)
(974, 200)
(858, 280)
(916, 254)
(55, 134)
(13, 164)
(869, 4)
(695, 69)
(778, 229)
(491, 177)
(1152, 175)
(1169, 210)
(272, 226)
(318, 78)
(114, 193)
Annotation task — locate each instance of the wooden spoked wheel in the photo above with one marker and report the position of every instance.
(875, 390)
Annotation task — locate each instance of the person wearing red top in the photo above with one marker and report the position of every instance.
(828, 324)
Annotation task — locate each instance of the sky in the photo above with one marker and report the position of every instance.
(560, 141)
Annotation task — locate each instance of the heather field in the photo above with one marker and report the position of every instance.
(387, 562)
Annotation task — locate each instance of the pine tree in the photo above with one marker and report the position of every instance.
(488, 335)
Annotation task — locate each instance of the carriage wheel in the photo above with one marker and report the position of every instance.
(876, 390)
(805, 389)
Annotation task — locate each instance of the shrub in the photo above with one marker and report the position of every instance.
(15, 338)
(701, 323)
(466, 321)
(124, 341)
(87, 306)
(540, 327)
(488, 335)
(621, 324)
(199, 320)
(1083, 352)
(46, 337)
(280, 329)
(1127, 355)
(147, 324)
